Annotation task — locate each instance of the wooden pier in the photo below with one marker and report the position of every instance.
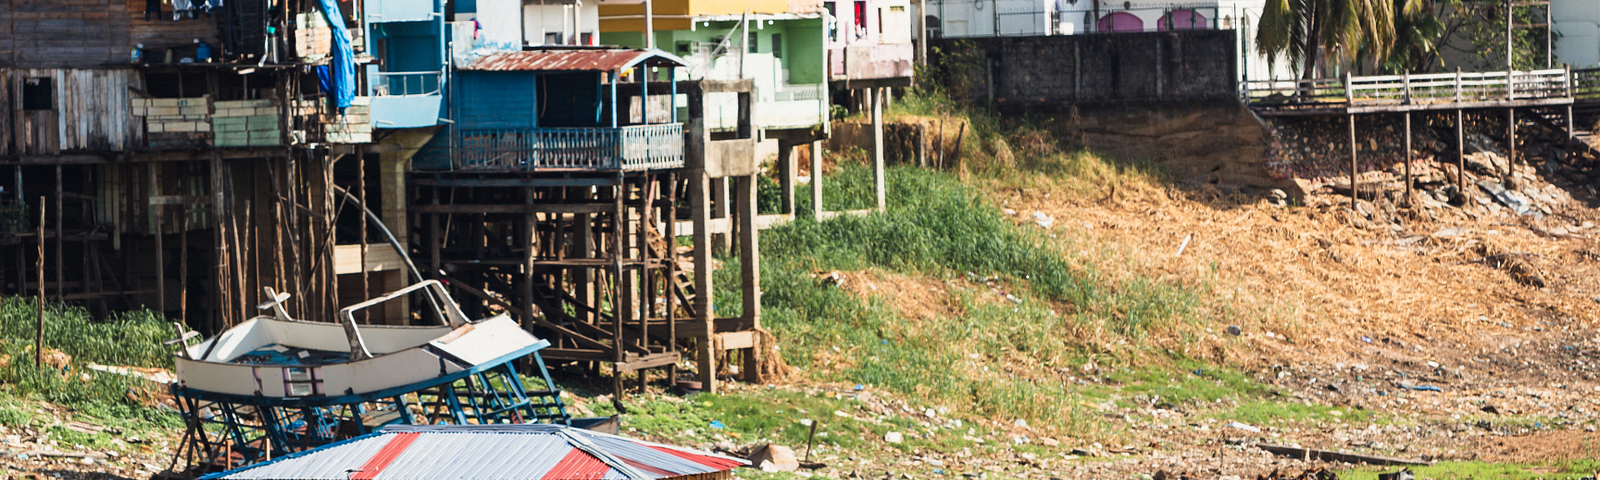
(1560, 90)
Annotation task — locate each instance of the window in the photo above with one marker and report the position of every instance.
(38, 94)
(777, 45)
(683, 48)
(755, 44)
(302, 381)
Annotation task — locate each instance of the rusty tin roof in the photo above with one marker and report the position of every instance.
(572, 60)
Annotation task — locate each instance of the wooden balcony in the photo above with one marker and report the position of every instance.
(628, 148)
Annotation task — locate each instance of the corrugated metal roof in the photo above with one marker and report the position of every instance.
(499, 452)
(571, 60)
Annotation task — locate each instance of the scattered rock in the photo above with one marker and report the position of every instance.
(774, 458)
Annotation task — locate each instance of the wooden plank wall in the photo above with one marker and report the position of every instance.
(6, 21)
(7, 111)
(68, 33)
(90, 112)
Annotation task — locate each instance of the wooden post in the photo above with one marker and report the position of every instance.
(669, 221)
(1461, 152)
(183, 265)
(361, 193)
(878, 183)
(38, 342)
(1571, 131)
(700, 211)
(61, 236)
(1511, 137)
(620, 312)
(816, 179)
(786, 176)
(1408, 158)
(161, 260)
(750, 266)
(224, 301)
(1354, 188)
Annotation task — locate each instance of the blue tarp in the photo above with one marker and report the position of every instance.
(343, 71)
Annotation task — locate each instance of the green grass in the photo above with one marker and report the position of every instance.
(938, 226)
(128, 339)
(1475, 470)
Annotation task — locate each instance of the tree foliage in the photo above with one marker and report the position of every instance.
(1304, 30)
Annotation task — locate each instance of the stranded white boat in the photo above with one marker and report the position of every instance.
(332, 363)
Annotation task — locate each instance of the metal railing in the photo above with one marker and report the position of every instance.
(1586, 83)
(1412, 89)
(406, 83)
(636, 147)
(962, 18)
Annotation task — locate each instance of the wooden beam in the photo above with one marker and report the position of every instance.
(587, 207)
(1332, 456)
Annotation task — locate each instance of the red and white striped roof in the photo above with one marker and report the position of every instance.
(499, 452)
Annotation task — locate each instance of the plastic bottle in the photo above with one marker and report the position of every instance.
(138, 52)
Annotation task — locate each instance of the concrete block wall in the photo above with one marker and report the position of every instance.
(247, 123)
(173, 115)
(354, 126)
(1061, 70)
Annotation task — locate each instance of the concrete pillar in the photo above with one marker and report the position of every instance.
(720, 242)
(786, 176)
(750, 266)
(816, 179)
(700, 214)
(877, 147)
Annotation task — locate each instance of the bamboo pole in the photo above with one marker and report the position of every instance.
(361, 185)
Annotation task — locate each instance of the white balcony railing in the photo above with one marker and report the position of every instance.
(636, 147)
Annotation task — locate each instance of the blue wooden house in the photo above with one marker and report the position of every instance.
(558, 108)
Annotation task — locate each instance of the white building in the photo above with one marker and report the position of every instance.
(1579, 24)
(984, 18)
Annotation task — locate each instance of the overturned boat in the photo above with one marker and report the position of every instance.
(275, 385)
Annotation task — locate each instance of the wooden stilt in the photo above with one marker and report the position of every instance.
(669, 221)
(1408, 158)
(1461, 151)
(361, 193)
(161, 261)
(1511, 137)
(61, 236)
(620, 311)
(816, 179)
(1354, 188)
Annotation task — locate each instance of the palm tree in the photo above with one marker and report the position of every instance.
(1300, 29)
